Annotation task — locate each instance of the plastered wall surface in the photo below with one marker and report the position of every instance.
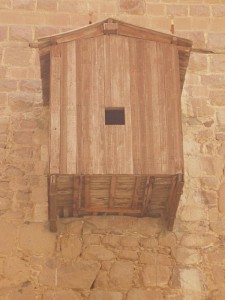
(113, 258)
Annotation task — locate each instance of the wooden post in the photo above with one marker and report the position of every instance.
(135, 194)
(76, 194)
(148, 194)
(173, 202)
(86, 190)
(52, 203)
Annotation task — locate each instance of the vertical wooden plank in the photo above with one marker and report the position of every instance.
(84, 102)
(163, 50)
(97, 114)
(118, 138)
(63, 109)
(52, 203)
(179, 158)
(55, 109)
(71, 110)
(169, 108)
(112, 191)
(90, 105)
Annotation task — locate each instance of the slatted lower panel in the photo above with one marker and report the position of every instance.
(134, 195)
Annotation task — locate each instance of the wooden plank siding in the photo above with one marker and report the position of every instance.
(55, 129)
(112, 71)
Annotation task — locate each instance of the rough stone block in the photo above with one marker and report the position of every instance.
(111, 240)
(21, 102)
(187, 256)
(71, 5)
(47, 275)
(148, 242)
(193, 214)
(199, 10)
(13, 171)
(141, 294)
(202, 166)
(168, 239)
(62, 294)
(23, 137)
(5, 4)
(103, 295)
(16, 270)
(31, 239)
(30, 86)
(221, 197)
(91, 239)
(148, 257)
(70, 246)
(95, 252)
(217, 64)
(74, 227)
(210, 183)
(134, 7)
(47, 5)
(17, 57)
(20, 33)
(80, 275)
(8, 85)
(214, 81)
(221, 117)
(42, 31)
(154, 9)
(4, 125)
(177, 10)
(156, 275)
(24, 4)
(200, 108)
(121, 275)
(102, 280)
(8, 234)
(25, 292)
(191, 280)
(3, 33)
(128, 254)
(216, 40)
(198, 240)
(130, 241)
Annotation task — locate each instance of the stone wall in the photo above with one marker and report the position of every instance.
(115, 258)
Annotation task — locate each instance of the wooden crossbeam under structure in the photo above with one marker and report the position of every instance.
(130, 195)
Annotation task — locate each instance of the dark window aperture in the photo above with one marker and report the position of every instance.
(115, 116)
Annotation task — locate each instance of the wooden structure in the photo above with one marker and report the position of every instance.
(115, 122)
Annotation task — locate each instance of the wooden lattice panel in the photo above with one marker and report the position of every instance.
(132, 195)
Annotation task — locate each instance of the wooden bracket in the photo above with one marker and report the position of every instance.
(173, 201)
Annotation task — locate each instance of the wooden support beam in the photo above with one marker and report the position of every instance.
(52, 203)
(173, 202)
(76, 194)
(148, 194)
(135, 194)
(112, 191)
(86, 190)
(111, 210)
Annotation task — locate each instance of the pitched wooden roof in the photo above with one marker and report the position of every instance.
(113, 26)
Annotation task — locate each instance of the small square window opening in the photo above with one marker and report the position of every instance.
(115, 116)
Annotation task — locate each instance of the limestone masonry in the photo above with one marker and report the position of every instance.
(111, 258)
